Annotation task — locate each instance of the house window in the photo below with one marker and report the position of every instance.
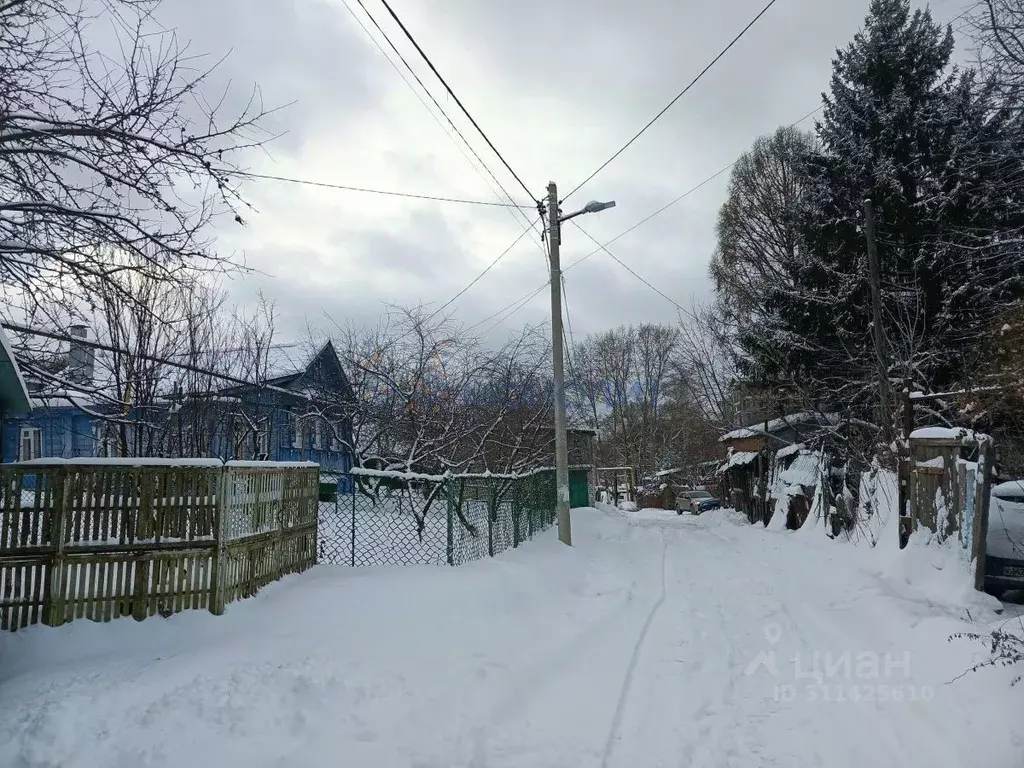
(318, 435)
(263, 442)
(298, 431)
(30, 443)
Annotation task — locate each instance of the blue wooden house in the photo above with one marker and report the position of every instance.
(14, 396)
(298, 413)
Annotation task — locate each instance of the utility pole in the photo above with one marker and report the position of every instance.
(555, 220)
(881, 353)
(561, 439)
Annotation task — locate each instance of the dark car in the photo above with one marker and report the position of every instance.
(1004, 540)
(706, 505)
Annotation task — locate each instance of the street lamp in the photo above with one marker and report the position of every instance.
(592, 207)
(555, 219)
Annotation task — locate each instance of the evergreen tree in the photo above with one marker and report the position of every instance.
(928, 144)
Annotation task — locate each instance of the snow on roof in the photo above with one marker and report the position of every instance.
(789, 450)
(1012, 490)
(942, 433)
(740, 458)
(776, 425)
(803, 471)
(66, 398)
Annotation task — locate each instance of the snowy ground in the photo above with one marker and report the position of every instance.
(657, 640)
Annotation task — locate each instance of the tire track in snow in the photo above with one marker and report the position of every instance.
(620, 707)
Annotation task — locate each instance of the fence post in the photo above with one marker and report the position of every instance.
(279, 538)
(517, 509)
(450, 546)
(218, 571)
(352, 527)
(983, 492)
(492, 512)
(54, 597)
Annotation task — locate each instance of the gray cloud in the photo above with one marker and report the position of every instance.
(558, 87)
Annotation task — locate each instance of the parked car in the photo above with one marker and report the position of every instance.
(695, 502)
(705, 505)
(1004, 542)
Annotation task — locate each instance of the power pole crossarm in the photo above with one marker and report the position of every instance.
(561, 439)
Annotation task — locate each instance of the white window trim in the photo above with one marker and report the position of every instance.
(35, 438)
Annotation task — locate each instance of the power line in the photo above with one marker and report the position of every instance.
(678, 96)
(684, 195)
(629, 269)
(454, 97)
(141, 356)
(486, 269)
(423, 86)
(518, 304)
(392, 193)
(514, 208)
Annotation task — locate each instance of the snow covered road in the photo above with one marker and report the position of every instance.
(656, 641)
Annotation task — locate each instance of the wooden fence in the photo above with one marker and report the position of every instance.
(949, 494)
(111, 539)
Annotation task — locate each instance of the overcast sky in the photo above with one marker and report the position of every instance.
(558, 86)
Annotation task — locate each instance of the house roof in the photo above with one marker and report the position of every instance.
(738, 459)
(803, 471)
(286, 364)
(667, 472)
(14, 397)
(777, 425)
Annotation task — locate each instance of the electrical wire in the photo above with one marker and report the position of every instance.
(678, 96)
(392, 193)
(519, 303)
(426, 90)
(629, 269)
(684, 195)
(525, 299)
(451, 93)
(515, 209)
(486, 269)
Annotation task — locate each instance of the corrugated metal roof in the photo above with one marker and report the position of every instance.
(774, 425)
(740, 458)
(803, 471)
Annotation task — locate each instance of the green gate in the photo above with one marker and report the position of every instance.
(579, 493)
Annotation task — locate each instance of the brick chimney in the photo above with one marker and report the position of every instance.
(81, 358)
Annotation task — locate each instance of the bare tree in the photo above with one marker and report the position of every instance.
(706, 363)
(107, 149)
(997, 27)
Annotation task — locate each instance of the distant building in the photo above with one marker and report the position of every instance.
(298, 413)
(747, 473)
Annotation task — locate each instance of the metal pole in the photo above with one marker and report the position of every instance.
(881, 356)
(561, 447)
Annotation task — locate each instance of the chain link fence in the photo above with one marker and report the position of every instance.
(407, 519)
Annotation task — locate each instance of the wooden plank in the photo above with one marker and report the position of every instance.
(109, 592)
